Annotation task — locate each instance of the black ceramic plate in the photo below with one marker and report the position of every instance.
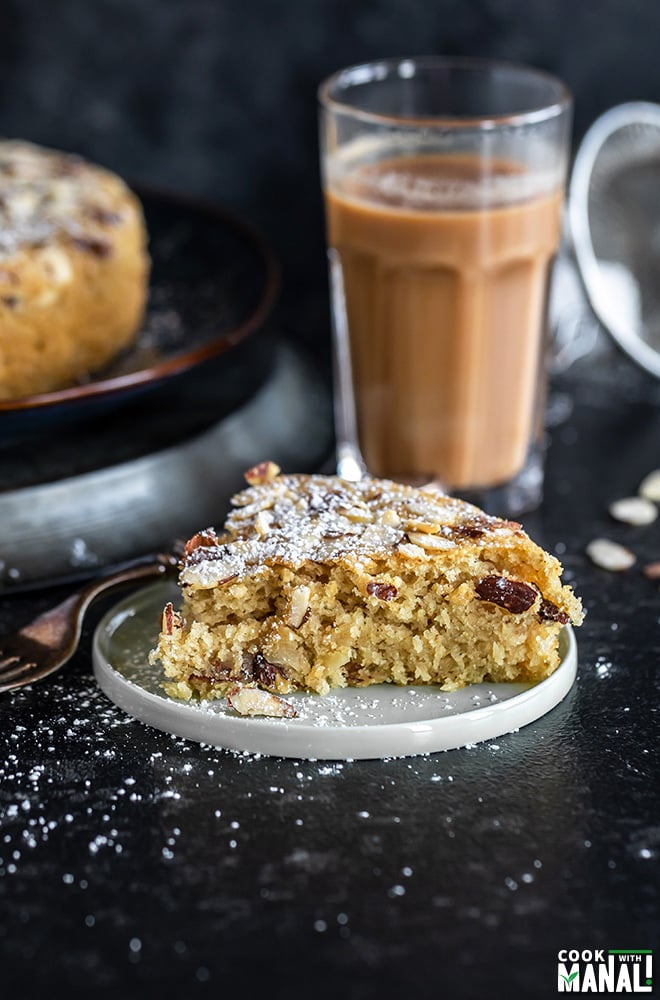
(213, 282)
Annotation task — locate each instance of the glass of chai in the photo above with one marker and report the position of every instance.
(444, 182)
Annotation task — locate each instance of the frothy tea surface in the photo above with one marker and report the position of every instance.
(433, 182)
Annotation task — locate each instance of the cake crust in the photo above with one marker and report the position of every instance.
(317, 583)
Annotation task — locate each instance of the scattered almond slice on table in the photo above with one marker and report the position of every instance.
(610, 555)
(650, 486)
(637, 511)
(634, 510)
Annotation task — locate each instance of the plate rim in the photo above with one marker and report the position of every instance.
(279, 738)
(100, 388)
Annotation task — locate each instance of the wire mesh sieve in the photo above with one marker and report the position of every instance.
(614, 218)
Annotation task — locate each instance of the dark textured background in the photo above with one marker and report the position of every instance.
(217, 97)
(135, 865)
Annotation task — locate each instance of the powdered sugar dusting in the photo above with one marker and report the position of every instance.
(296, 519)
(45, 193)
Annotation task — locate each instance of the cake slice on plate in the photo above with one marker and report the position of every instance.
(318, 583)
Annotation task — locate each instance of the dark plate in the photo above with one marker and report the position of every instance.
(213, 282)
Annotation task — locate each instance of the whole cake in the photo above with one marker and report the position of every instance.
(318, 583)
(73, 268)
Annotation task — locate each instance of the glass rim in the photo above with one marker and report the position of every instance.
(358, 73)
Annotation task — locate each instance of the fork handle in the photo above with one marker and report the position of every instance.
(143, 567)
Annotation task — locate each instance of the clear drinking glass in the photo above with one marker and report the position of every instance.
(444, 183)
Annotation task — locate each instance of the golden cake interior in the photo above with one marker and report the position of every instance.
(318, 583)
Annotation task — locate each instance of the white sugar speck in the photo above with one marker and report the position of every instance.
(80, 555)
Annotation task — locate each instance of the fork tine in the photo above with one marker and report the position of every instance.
(48, 642)
(19, 657)
(32, 673)
(6, 661)
(21, 674)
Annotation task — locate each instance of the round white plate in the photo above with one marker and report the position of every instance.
(352, 723)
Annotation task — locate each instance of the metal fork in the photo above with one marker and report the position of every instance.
(48, 642)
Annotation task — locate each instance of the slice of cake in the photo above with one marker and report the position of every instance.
(73, 268)
(318, 583)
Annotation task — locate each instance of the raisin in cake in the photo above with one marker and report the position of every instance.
(73, 268)
(318, 583)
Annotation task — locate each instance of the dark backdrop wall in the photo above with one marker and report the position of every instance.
(217, 97)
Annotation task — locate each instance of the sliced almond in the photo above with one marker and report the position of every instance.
(299, 605)
(634, 510)
(263, 523)
(424, 527)
(434, 487)
(262, 473)
(171, 620)
(652, 571)
(203, 539)
(610, 555)
(432, 543)
(357, 515)
(21, 202)
(412, 551)
(390, 518)
(255, 701)
(650, 486)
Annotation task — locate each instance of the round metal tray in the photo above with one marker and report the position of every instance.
(70, 526)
